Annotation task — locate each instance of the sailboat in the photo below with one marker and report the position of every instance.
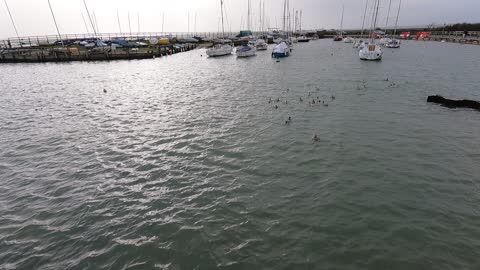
(222, 48)
(395, 43)
(372, 51)
(302, 38)
(248, 48)
(260, 44)
(339, 36)
(359, 43)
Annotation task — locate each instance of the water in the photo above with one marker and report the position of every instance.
(183, 163)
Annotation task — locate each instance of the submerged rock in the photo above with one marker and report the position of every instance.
(451, 103)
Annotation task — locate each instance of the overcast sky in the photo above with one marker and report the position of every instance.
(32, 17)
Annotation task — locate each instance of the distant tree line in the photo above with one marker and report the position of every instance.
(459, 27)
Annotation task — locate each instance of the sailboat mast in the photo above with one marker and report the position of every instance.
(129, 24)
(85, 23)
(341, 23)
(388, 15)
(263, 17)
(248, 16)
(223, 28)
(96, 22)
(90, 18)
(284, 14)
(375, 19)
(364, 16)
(398, 14)
(13, 22)
(163, 22)
(119, 25)
(56, 25)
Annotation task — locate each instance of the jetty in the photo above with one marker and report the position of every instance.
(89, 47)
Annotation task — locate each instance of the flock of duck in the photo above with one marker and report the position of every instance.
(309, 98)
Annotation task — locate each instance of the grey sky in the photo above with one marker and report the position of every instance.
(33, 17)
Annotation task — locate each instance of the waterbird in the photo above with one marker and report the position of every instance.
(104, 90)
(301, 99)
(333, 97)
(288, 121)
(276, 107)
(315, 138)
(269, 100)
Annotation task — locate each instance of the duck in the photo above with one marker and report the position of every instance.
(288, 121)
(315, 138)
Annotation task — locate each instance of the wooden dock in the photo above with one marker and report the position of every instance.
(55, 54)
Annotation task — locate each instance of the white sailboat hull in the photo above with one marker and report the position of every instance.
(220, 51)
(371, 52)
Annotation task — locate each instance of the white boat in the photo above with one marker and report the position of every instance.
(222, 48)
(261, 45)
(294, 39)
(303, 39)
(358, 44)
(348, 40)
(281, 50)
(372, 51)
(393, 43)
(246, 51)
(384, 41)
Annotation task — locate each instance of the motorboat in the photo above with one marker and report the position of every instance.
(281, 50)
(220, 50)
(294, 39)
(303, 39)
(393, 43)
(261, 45)
(246, 51)
(348, 40)
(371, 52)
(338, 38)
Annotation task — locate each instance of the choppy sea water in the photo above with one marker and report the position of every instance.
(184, 163)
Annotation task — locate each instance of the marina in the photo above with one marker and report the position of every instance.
(267, 145)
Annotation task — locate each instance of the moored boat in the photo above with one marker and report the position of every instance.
(246, 51)
(303, 39)
(261, 45)
(281, 50)
(371, 52)
(220, 50)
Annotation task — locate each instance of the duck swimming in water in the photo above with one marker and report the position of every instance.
(288, 121)
(315, 138)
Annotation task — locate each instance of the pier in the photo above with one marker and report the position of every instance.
(70, 47)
